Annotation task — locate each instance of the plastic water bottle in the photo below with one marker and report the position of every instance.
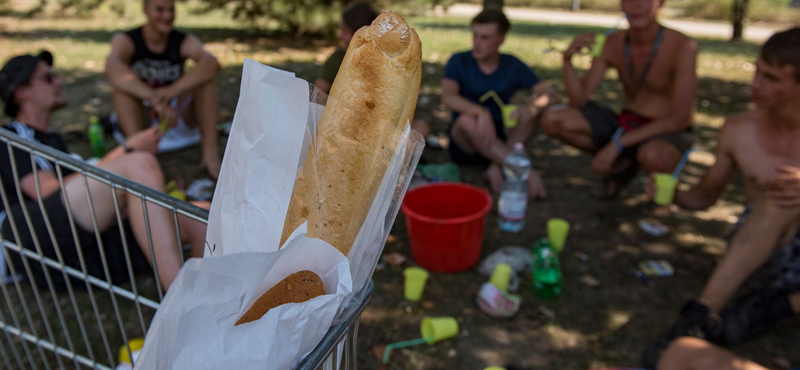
(514, 192)
(547, 279)
(97, 137)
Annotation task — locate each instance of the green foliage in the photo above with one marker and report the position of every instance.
(289, 16)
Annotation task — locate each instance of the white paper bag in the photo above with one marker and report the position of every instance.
(194, 328)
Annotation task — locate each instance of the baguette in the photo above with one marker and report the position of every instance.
(295, 288)
(372, 98)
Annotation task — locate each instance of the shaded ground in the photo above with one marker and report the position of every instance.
(584, 328)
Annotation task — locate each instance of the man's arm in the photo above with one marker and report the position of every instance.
(118, 71)
(205, 70)
(710, 188)
(48, 182)
(453, 100)
(683, 93)
(579, 90)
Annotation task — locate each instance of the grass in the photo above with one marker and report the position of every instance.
(592, 327)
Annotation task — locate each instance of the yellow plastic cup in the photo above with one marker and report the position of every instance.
(557, 231)
(415, 283)
(495, 368)
(599, 41)
(436, 329)
(501, 276)
(136, 344)
(665, 188)
(507, 120)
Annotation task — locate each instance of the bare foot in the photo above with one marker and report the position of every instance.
(536, 189)
(495, 177)
(212, 165)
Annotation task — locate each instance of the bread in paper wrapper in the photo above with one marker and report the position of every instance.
(372, 99)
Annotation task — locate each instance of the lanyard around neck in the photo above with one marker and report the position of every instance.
(629, 59)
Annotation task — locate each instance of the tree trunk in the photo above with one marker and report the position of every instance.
(739, 14)
(576, 5)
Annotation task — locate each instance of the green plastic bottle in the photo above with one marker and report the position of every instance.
(97, 137)
(547, 280)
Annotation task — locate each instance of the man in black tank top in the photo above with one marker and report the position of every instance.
(145, 67)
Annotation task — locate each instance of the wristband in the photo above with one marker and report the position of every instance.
(617, 142)
(125, 147)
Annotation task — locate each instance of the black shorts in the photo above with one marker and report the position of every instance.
(604, 124)
(782, 270)
(64, 239)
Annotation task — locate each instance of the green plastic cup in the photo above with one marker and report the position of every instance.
(507, 120)
(557, 230)
(599, 42)
(501, 276)
(436, 329)
(495, 368)
(665, 188)
(415, 283)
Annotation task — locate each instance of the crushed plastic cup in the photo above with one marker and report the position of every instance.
(415, 283)
(557, 230)
(125, 357)
(436, 329)
(501, 276)
(507, 110)
(599, 42)
(665, 188)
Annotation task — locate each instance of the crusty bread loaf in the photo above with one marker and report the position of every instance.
(295, 288)
(373, 96)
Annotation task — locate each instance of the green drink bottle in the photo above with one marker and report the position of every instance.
(97, 137)
(547, 279)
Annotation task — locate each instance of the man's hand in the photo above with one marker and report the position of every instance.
(166, 113)
(162, 95)
(584, 40)
(604, 159)
(536, 189)
(650, 188)
(485, 133)
(785, 189)
(146, 140)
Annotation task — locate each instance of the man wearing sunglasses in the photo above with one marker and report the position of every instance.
(32, 93)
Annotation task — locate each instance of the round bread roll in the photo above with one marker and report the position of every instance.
(295, 288)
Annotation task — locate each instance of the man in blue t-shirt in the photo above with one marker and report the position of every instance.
(477, 133)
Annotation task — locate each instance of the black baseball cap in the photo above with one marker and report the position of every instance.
(16, 72)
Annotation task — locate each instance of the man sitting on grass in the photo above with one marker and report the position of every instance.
(764, 252)
(477, 132)
(32, 92)
(656, 66)
(145, 67)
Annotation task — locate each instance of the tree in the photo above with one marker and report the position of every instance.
(739, 13)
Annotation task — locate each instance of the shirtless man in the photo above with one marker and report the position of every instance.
(764, 252)
(656, 66)
(477, 133)
(145, 67)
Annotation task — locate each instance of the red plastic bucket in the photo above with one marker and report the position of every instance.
(445, 225)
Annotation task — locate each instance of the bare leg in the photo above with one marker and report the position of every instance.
(569, 126)
(767, 227)
(422, 127)
(794, 300)
(206, 112)
(131, 114)
(144, 169)
(696, 354)
(463, 134)
(658, 156)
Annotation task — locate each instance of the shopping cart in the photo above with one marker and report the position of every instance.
(83, 323)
